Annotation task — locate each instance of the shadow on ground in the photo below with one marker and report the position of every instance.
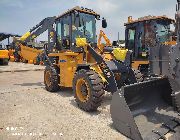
(31, 84)
(68, 92)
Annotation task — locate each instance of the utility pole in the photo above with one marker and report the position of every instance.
(118, 37)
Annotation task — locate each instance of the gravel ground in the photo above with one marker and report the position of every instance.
(29, 112)
(18, 66)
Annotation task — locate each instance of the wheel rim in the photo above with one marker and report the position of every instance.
(82, 90)
(47, 78)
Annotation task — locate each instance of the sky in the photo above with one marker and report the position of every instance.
(18, 16)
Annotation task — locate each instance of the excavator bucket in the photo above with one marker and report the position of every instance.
(145, 110)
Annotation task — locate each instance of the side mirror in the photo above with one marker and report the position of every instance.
(178, 5)
(114, 43)
(104, 23)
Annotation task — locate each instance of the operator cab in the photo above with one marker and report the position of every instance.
(76, 23)
(147, 32)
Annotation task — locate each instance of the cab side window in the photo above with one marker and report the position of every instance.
(131, 38)
(59, 36)
(63, 32)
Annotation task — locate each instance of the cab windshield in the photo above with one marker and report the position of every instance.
(83, 26)
(163, 31)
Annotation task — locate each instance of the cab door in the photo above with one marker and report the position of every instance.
(63, 32)
(131, 40)
(135, 41)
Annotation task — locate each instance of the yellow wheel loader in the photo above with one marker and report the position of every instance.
(4, 55)
(5, 52)
(78, 62)
(150, 110)
(73, 58)
(146, 32)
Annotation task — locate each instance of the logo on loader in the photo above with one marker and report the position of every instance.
(62, 61)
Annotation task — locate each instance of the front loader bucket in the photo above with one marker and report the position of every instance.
(144, 110)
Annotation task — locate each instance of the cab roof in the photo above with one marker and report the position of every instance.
(79, 9)
(148, 18)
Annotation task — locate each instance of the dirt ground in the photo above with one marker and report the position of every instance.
(29, 112)
(18, 66)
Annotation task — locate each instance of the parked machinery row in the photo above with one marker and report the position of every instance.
(140, 109)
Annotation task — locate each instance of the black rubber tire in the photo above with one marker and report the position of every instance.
(131, 78)
(36, 63)
(1, 62)
(17, 57)
(5, 62)
(54, 79)
(16, 60)
(96, 88)
(138, 75)
(25, 61)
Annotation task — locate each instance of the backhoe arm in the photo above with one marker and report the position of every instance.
(29, 53)
(108, 43)
(45, 24)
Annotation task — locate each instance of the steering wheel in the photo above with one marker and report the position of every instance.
(86, 34)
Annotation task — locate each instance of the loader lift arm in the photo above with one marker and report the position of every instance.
(106, 68)
(112, 85)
